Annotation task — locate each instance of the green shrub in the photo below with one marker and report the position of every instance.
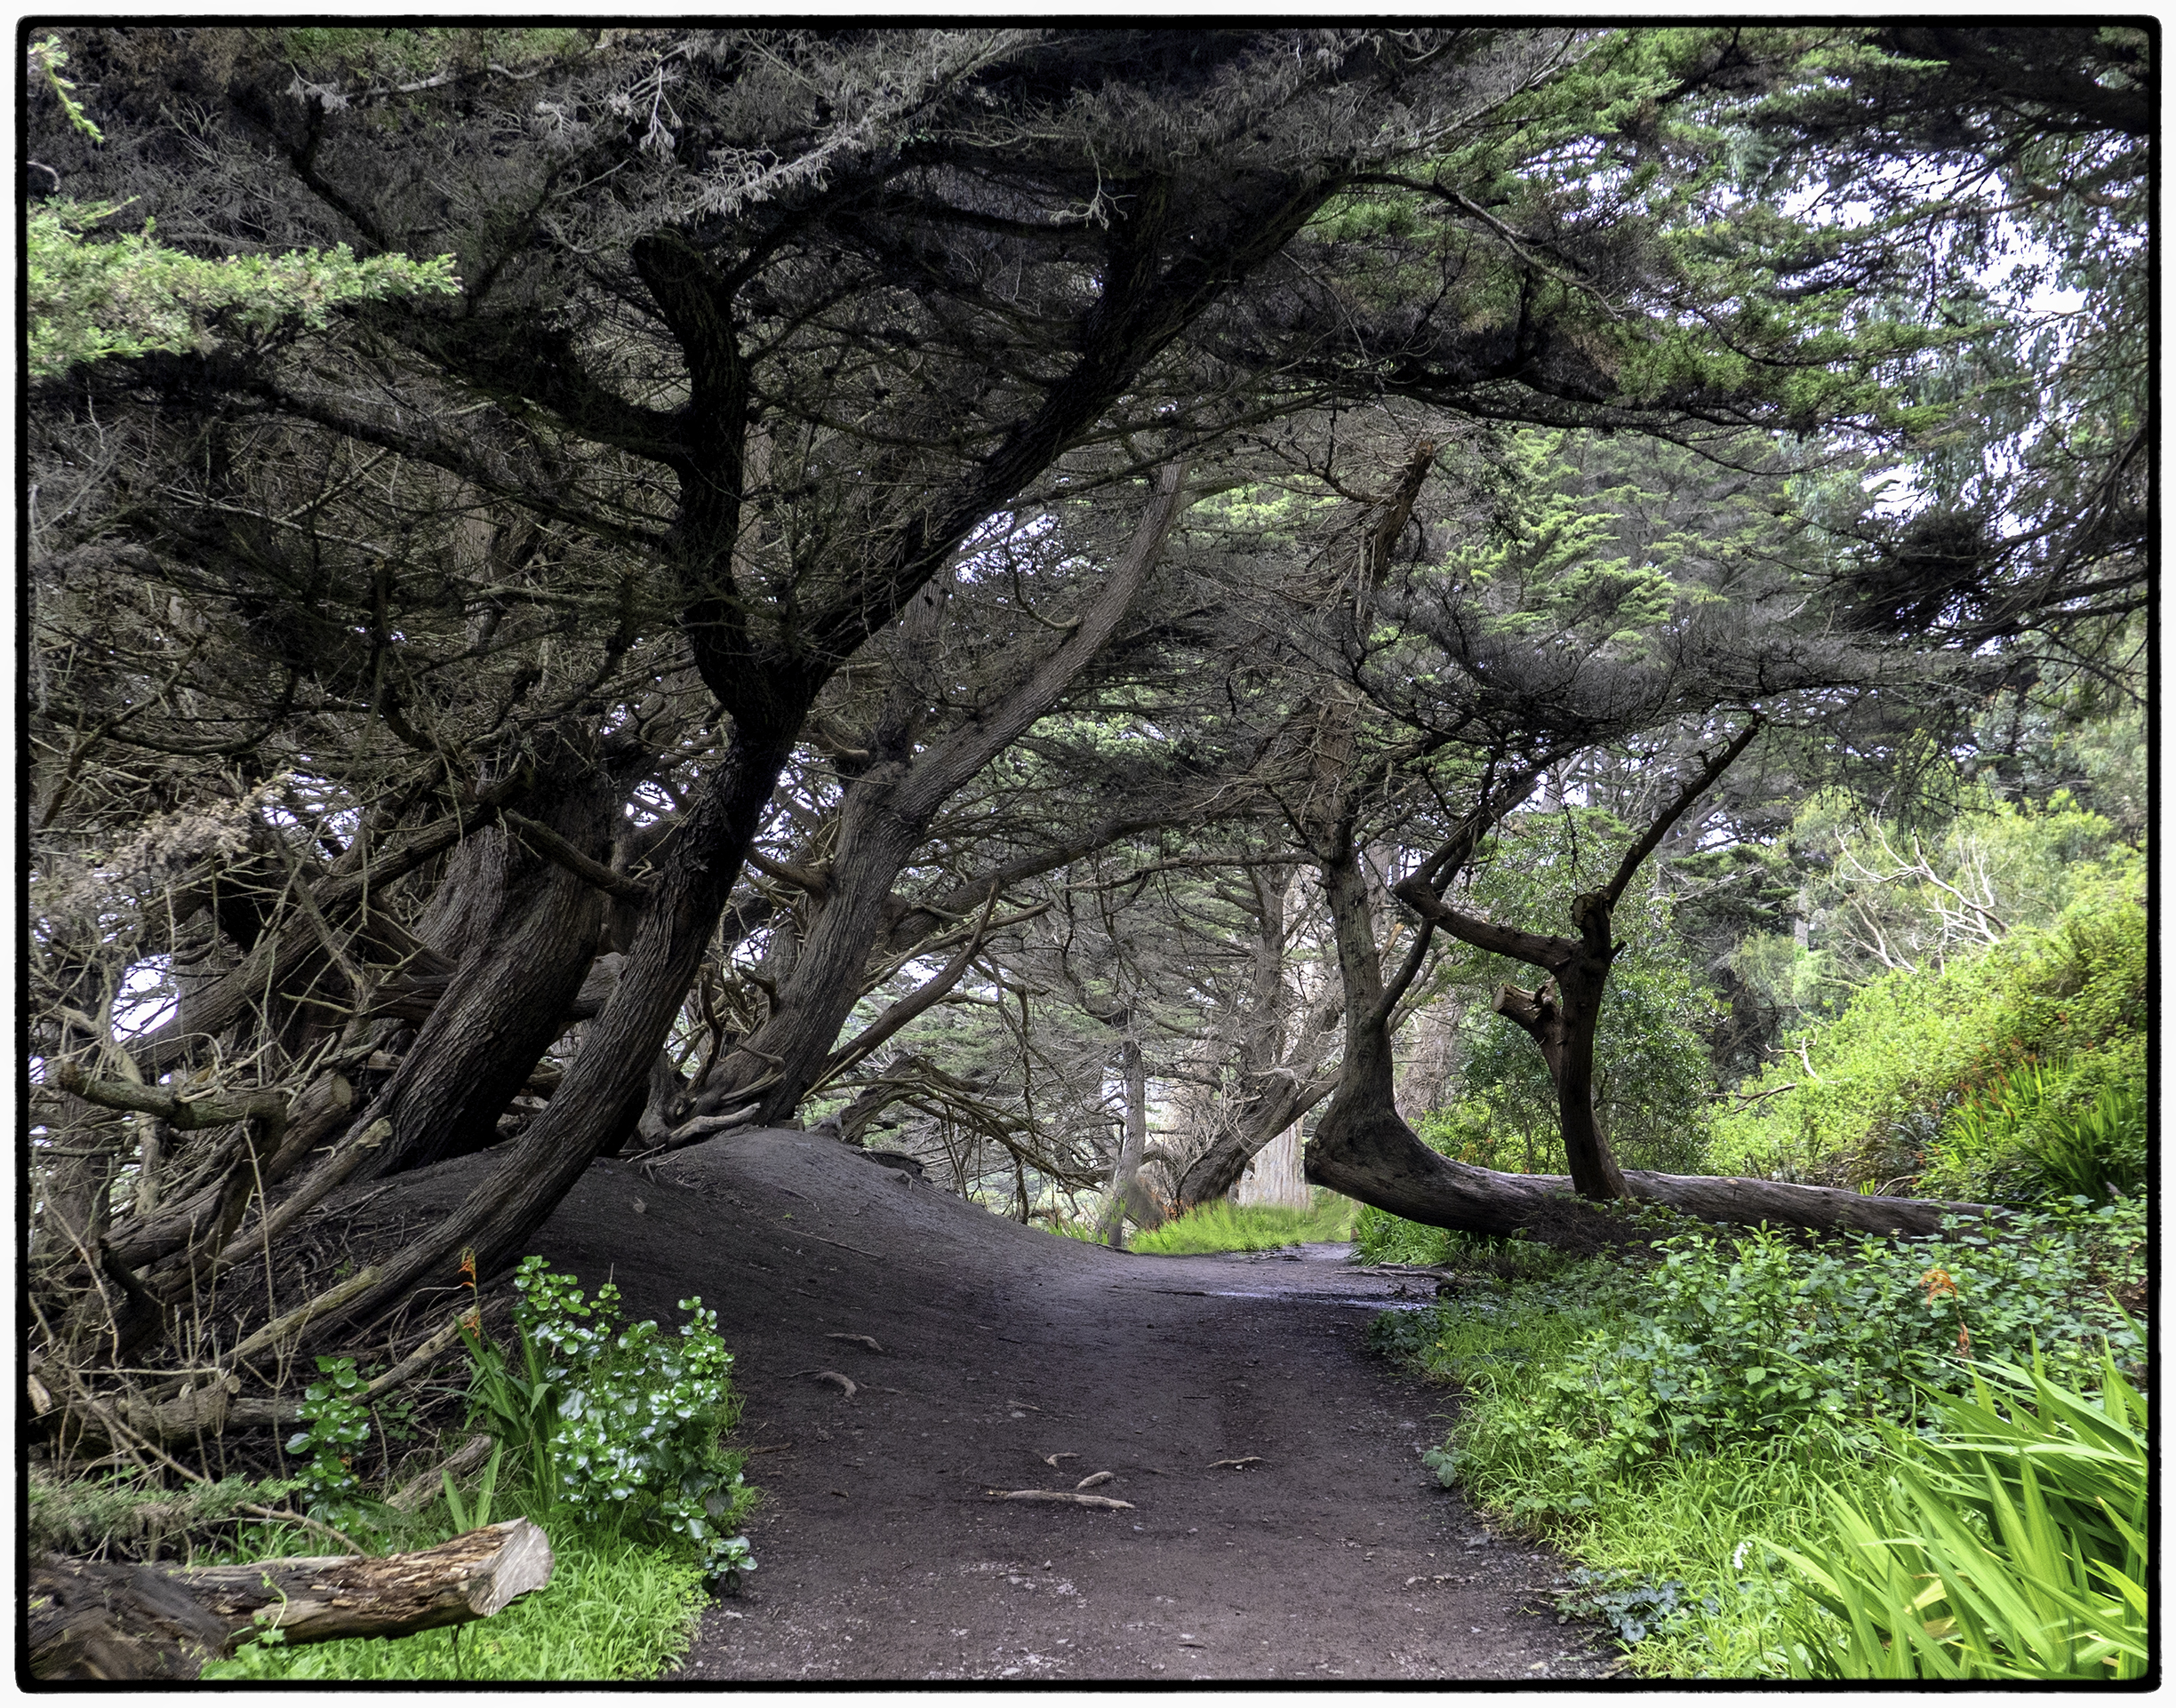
(1650, 1421)
(2011, 1546)
(1755, 1335)
(2045, 1130)
(617, 1423)
(1222, 1225)
(1863, 1099)
(614, 1609)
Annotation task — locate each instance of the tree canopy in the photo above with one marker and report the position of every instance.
(593, 588)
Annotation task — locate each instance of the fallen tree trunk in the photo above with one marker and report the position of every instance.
(132, 1622)
(1381, 1162)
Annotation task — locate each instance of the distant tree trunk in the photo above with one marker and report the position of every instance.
(1280, 1078)
(1276, 1176)
(1274, 1110)
(1128, 1198)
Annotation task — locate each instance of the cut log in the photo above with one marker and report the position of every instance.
(126, 1621)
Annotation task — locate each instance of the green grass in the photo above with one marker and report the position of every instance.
(614, 1609)
(1221, 1225)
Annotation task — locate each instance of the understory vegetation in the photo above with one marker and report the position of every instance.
(1678, 1421)
(607, 1433)
(1779, 1456)
(1225, 1226)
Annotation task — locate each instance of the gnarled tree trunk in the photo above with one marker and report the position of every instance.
(1362, 1148)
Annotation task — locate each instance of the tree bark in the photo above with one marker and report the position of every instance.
(886, 815)
(1563, 1020)
(130, 1622)
(509, 998)
(1128, 1198)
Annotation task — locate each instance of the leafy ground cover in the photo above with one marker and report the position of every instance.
(607, 1433)
(1221, 1225)
(1685, 1424)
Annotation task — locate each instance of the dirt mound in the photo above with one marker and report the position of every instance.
(1278, 1523)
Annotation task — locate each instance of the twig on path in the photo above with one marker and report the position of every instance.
(1065, 1497)
(1050, 1459)
(843, 1246)
(1251, 1458)
(1096, 1479)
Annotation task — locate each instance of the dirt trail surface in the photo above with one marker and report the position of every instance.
(1279, 1525)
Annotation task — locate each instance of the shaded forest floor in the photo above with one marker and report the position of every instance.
(1331, 1553)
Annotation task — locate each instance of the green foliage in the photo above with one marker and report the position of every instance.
(617, 1424)
(1650, 1421)
(128, 295)
(46, 57)
(1739, 1339)
(1877, 895)
(1865, 1096)
(1654, 1078)
(2013, 1544)
(336, 1424)
(1221, 1225)
(1381, 1237)
(613, 1609)
(2028, 1134)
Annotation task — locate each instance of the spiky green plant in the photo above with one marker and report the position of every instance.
(2013, 1546)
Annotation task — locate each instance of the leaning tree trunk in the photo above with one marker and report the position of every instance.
(510, 997)
(1129, 1197)
(886, 815)
(612, 1074)
(1363, 1149)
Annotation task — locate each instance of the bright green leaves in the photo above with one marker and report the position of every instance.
(131, 295)
(335, 1425)
(46, 58)
(622, 1420)
(2013, 1545)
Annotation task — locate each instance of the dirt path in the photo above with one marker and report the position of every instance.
(1330, 1554)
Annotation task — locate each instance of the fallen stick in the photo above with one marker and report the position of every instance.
(1064, 1498)
(129, 1622)
(1050, 1459)
(1096, 1479)
(465, 1458)
(1251, 1458)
